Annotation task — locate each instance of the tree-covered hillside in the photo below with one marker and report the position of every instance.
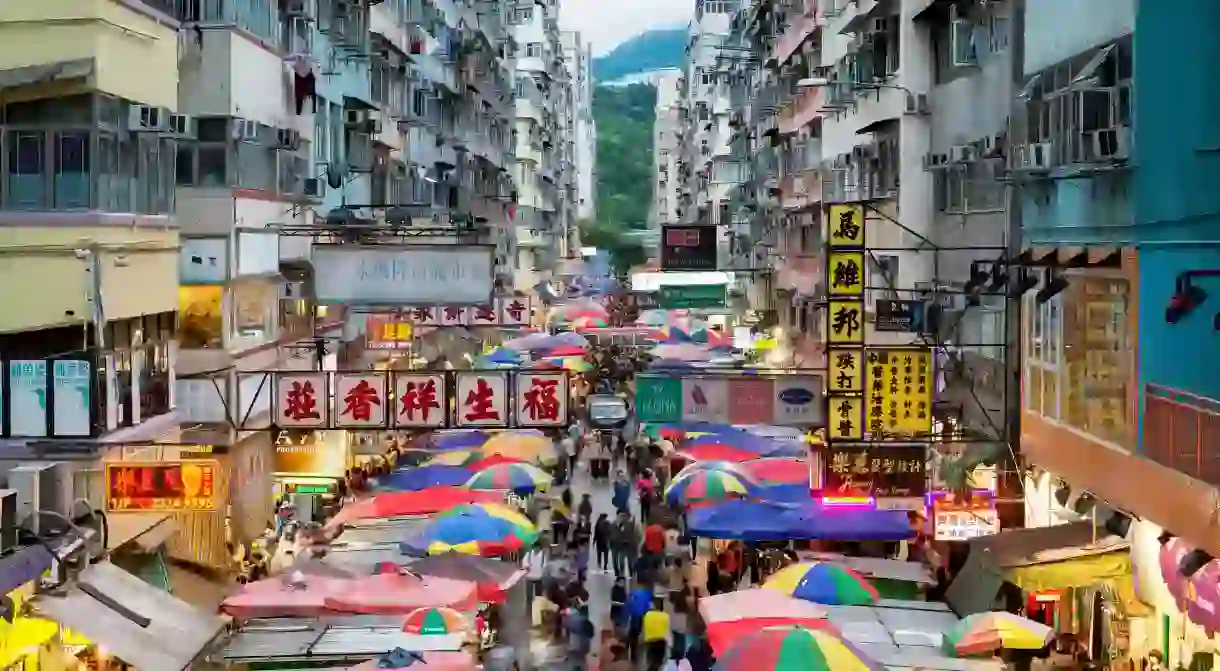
(650, 50)
(624, 117)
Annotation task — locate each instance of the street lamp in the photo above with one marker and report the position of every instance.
(821, 82)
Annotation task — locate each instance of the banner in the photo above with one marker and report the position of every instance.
(785, 400)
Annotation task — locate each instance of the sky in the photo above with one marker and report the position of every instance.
(606, 23)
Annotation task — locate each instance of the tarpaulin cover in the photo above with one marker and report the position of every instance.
(759, 521)
(424, 477)
(413, 503)
(798, 493)
(760, 445)
(779, 470)
(748, 604)
(311, 596)
(714, 452)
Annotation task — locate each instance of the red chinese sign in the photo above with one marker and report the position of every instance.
(302, 400)
(168, 486)
(421, 401)
(542, 399)
(482, 398)
(361, 400)
(504, 311)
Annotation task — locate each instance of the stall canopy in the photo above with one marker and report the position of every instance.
(764, 521)
(424, 477)
(338, 639)
(138, 623)
(1045, 558)
(413, 502)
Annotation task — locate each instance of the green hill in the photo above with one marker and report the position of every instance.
(650, 50)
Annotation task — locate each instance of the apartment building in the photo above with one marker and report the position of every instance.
(578, 58)
(666, 152)
(541, 91)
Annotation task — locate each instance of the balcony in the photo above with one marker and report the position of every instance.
(801, 110)
(59, 47)
(801, 190)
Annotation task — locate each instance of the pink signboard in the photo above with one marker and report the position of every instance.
(752, 401)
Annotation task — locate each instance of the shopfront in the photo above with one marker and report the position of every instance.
(309, 465)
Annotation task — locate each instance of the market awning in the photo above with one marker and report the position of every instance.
(1046, 558)
(140, 624)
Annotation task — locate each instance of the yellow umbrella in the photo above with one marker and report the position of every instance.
(523, 446)
(455, 458)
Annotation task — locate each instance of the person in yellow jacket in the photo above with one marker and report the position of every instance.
(654, 634)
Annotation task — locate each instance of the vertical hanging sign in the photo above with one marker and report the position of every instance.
(845, 323)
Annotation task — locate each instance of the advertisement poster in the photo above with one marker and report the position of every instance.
(164, 486)
(310, 453)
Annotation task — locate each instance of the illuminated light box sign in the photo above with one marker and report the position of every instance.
(892, 474)
(404, 275)
(786, 400)
(305, 401)
(165, 486)
(395, 331)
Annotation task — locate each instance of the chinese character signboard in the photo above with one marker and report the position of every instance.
(688, 247)
(955, 520)
(504, 311)
(165, 486)
(482, 398)
(302, 400)
(420, 401)
(542, 399)
(894, 474)
(900, 383)
(787, 400)
(845, 318)
(360, 401)
(387, 332)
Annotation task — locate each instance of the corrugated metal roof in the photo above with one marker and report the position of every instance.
(348, 637)
(269, 644)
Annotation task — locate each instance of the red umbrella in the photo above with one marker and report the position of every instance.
(722, 635)
(409, 503)
(567, 350)
(714, 452)
(778, 470)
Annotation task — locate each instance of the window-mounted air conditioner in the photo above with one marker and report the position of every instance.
(1109, 144)
(1035, 156)
(962, 153)
(245, 130)
(297, 7)
(287, 139)
(182, 126)
(147, 119)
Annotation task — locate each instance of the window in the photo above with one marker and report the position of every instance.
(969, 189)
(1043, 354)
(26, 170)
(522, 15)
(1096, 359)
(255, 305)
(533, 50)
(71, 190)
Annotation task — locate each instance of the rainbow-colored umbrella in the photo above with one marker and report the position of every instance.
(483, 529)
(519, 477)
(520, 444)
(794, 648)
(824, 582)
(435, 621)
(985, 633)
(707, 485)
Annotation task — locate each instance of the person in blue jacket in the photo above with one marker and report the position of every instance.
(622, 492)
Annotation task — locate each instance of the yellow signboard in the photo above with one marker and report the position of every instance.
(846, 368)
(900, 386)
(846, 421)
(846, 226)
(846, 273)
(845, 322)
(399, 331)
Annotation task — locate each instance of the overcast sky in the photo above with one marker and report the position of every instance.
(606, 23)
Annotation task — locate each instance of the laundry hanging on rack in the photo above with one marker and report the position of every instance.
(304, 84)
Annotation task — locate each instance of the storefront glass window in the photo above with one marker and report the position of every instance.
(255, 304)
(1078, 363)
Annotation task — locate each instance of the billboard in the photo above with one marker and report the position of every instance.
(404, 275)
(688, 247)
(786, 400)
(162, 486)
(311, 401)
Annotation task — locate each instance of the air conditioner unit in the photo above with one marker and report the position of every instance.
(314, 187)
(929, 161)
(287, 139)
(877, 25)
(1036, 156)
(917, 104)
(39, 488)
(962, 153)
(147, 119)
(1110, 144)
(355, 118)
(245, 130)
(182, 126)
(296, 7)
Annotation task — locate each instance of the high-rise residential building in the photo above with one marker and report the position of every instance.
(578, 57)
(541, 90)
(667, 131)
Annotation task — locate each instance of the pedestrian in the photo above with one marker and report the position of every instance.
(603, 535)
(579, 629)
(626, 544)
(621, 497)
(654, 540)
(568, 452)
(585, 510)
(647, 493)
(655, 634)
(582, 533)
(535, 562)
(618, 604)
(621, 660)
(639, 602)
(580, 561)
(559, 528)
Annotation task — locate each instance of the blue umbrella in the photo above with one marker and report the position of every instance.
(458, 440)
(739, 439)
(424, 477)
(745, 521)
(798, 493)
(853, 523)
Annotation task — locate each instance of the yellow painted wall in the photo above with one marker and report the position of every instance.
(137, 58)
(44, 279)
